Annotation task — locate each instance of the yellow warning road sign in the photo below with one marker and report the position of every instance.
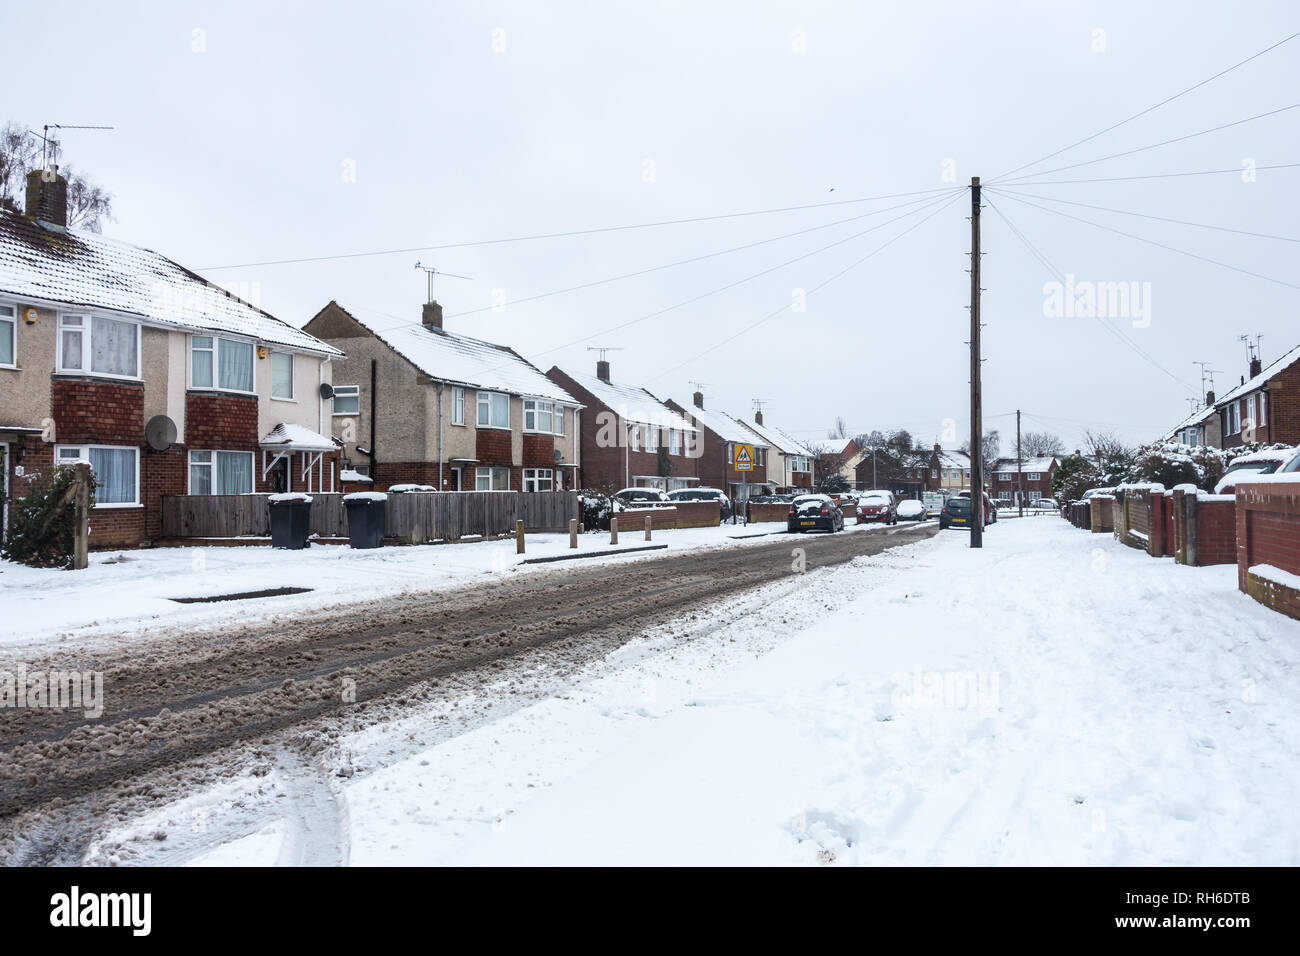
(744, 460)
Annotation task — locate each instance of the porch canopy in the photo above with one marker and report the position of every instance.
(285, 439)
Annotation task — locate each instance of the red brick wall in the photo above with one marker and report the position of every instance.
(101, 413)
(162, 473)
(539, 451)
(768, 512)
(1284, 406)
(219, 421)
(492, 447)
(1268, 532)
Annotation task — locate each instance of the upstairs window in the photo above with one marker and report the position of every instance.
(223, 364)
(458, 406)
(539, 416)
(674, 442)
(347, 399)
(282, 375)
(8, 335)
(99, 346)
(493, 410)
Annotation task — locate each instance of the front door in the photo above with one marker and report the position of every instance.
(455, 479)
(280, 476)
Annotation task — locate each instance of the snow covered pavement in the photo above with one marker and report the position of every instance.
(1053, 699)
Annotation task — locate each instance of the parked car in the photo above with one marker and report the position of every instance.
(640, 496)
(990, 510)
(1045, 504)
(814, 512)
(912, 510)
(934, 502)
(877, 506)
(1258, 463)
(704, 494)
(957, 513)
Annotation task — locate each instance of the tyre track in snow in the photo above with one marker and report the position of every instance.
(172, 702)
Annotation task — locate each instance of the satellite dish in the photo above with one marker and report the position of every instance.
(160, 433)
(326, 390)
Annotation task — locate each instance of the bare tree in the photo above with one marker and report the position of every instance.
(1041, 445)
(839, 430)
(1102, 445)
(89, 204)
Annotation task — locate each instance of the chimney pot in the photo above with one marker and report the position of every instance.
(47, 197)
(432, 316)
(602, 370)
(699, 399)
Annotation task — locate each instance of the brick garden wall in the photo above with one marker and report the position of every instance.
(1268, 532)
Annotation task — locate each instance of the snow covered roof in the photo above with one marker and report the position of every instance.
(86, 270)
(1276, 368)
(632, 403)
(462, 360)
(724, 426)
(1027, 464)
(954, 459)
(1193, 419)
(775, 438)
(1276, 453)
(289, 437)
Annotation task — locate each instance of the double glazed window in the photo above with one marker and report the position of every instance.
(223, 364)
(458, 406)
(116, 470)
(221, 472)
(8, 335)
(540, 416)
(493, 410)
(347, 399)
(538, 479)
(282, 375)
(99, 346)
(674, 442)
(491, 479)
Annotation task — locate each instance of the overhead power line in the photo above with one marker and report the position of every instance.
(1150, 109)
(572, 233)
(1027, 179)
(1121, 179)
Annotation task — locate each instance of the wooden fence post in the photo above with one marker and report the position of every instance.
(647, 527)
(81, 539)
(519, 537)
(613, 531)
(573, 532)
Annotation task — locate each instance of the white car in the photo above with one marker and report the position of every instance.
(911, 510)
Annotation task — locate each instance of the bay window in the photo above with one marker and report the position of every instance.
(98, 345)
(223, 364)
(538, 479)
(116, 471)
(491, 479)
(282, 375)
(221, 472)
(493, 410)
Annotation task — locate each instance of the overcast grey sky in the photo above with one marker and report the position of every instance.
(239, 125)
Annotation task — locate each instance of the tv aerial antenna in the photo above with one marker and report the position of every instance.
(430, 272)
(50, 144)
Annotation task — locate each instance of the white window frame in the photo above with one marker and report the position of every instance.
(1234, 417)
(534, 408)
(559, 419)
(211, 465)
(535, 476)
(1033, 476)
(82, 454)
(674, 442)
(215, 351)
(87, 346)
(293, 378)
(12, 321)
(493, 473)
(348, 390)
(485, 399)
(457, 405)
(1261, 422)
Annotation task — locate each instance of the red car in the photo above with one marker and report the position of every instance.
(878, 506)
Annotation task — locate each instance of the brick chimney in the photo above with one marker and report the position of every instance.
(1256, 366)
(47, 197)
(1209, 399)
(432, 317)
(758, 417)
(602, 370)
(699, 399)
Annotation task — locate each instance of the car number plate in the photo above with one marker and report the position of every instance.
(807, 524)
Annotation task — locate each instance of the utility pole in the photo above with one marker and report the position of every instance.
(976, 412)
(1020, 478)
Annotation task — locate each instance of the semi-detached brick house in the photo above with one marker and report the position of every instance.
(419, 404)
(630, 439)
(719, 436)
(1031, 482)
(1265, 407)
(103, 343)
(789, 461)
